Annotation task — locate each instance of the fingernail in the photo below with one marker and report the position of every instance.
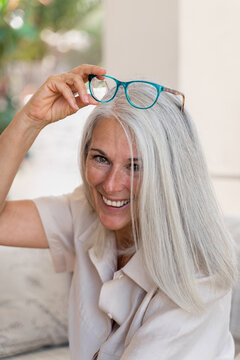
(86, 99)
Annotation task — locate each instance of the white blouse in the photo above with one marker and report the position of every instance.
(121, 314)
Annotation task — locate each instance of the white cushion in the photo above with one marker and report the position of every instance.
(33, 301)
(59, 353)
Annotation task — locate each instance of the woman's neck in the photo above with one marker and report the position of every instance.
(124, 240)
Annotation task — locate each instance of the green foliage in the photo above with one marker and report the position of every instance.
(21, 40)
(3, 6)
(24, 43)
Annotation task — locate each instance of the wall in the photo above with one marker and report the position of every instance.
(194, 47)
(209, 58)
(135, 43)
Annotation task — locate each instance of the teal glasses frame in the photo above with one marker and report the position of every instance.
(159, 88)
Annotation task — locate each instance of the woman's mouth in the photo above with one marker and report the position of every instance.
(115, 204)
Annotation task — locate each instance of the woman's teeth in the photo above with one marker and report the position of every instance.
(115, 203)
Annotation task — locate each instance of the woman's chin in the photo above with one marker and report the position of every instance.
(113, 224)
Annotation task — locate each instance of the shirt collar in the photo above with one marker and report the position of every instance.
(134, 269)
(107, 264)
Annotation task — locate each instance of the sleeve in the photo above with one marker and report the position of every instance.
(56, 216)
(174, 334)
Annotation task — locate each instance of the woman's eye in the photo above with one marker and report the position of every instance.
(100, 159)
(134, 167)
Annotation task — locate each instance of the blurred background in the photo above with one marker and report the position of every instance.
(187, 45)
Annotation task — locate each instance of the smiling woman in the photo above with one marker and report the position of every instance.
(108, 174)
(153, 263)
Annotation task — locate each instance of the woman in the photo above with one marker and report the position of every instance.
(153, 265)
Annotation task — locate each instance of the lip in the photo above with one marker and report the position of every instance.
(114, 199)
(112, 207)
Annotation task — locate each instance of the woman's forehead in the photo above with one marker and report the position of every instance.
(106, 126)
(109, 134)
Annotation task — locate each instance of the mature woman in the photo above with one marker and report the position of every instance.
(153, 265)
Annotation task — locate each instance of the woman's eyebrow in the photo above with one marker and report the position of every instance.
(104, 154)
(134, 159)
(99, 150)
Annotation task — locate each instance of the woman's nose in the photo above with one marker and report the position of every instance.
(114, 181)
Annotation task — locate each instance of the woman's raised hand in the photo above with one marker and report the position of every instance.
(56, 99)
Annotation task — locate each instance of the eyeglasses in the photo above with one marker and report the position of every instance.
(99, 87)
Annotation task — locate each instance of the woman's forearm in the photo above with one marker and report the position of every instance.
(53, 101)
(15, 142)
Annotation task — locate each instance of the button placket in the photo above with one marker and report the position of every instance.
(118, 275)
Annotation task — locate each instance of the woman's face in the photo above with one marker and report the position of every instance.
(108, 173)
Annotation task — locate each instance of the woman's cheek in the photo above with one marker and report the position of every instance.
(94, 175)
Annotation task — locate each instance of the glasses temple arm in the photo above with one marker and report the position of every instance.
(175, 92)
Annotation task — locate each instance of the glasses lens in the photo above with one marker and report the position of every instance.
(102, 88)
(141, 94)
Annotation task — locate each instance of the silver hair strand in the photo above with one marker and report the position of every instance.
(179, 226)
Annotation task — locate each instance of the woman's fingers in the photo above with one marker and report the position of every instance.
(77, 78)
(80, 77)
(73, 89)
(86, 69)
(59, 86)
(56, 98)
(70, 86)
(91, 101)
(81, 88)
(68, 95)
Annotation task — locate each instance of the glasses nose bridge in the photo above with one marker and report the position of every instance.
(124, 84)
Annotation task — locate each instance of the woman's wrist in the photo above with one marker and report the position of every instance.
(18, 137)
(27, 124)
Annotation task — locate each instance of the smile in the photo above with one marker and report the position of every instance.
(117, 204)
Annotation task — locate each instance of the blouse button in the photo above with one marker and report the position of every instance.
(120, 276)
(109, 315)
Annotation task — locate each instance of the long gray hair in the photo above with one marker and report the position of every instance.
(179, 227)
